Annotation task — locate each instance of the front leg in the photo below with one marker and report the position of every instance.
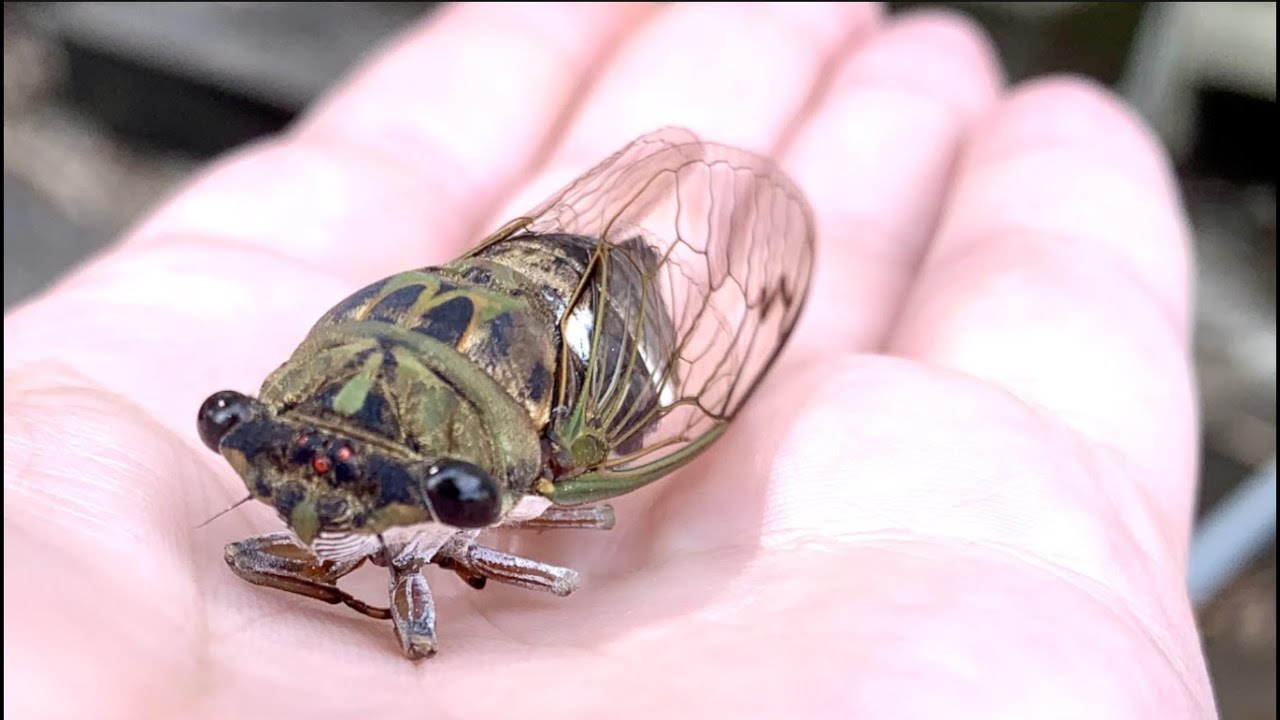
(458, 559)
(470, 560)
(413, 610)
(278, 561)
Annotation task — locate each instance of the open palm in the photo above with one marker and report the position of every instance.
(964, 492)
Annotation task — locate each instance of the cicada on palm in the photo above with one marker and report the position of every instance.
(582, 351)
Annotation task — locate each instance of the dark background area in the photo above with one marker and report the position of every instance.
(109, 105)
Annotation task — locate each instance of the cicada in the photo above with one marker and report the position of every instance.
(582, 351)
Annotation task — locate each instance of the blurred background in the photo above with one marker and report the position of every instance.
(108, 105)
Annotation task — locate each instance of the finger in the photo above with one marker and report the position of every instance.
(98, 549)
(736, 74)
(1060, 272)
(224, 280)
(395, 165)
(875, 159)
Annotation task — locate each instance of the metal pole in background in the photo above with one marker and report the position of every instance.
(1232, 534)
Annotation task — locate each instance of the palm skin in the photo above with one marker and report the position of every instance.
(964, 492)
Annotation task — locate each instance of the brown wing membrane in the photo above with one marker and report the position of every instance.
(704, 265)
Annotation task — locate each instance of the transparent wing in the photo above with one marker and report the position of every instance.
(700, 266)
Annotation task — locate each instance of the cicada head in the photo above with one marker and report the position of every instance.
(321, 482)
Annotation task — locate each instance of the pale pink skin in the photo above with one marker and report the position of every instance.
(966, 491)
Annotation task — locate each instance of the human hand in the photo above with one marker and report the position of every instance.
(965, 491)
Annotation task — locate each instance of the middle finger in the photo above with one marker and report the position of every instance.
(733, 74)
(875, 159)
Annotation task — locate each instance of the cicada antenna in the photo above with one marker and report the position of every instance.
(233, 506)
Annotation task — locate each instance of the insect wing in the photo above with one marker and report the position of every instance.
(702, 268)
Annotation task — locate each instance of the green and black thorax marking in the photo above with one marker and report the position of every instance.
(436, 360)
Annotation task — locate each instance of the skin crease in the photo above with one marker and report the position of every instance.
(966, 491)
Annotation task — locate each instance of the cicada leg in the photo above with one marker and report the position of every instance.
(468, 575)
(278, 561)
(413, 610)
(467, 559)
(585, 517)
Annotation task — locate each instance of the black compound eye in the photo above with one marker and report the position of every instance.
(462, 495)
(221, 412)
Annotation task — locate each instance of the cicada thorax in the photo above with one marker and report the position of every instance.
(614, 333)
(534, 337)
(437, 362)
